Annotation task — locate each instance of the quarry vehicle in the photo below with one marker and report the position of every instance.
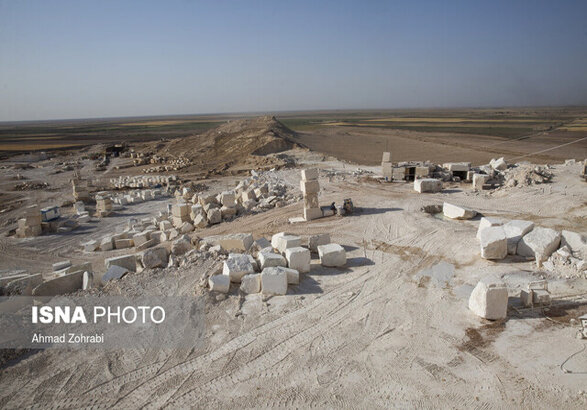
(348, 206)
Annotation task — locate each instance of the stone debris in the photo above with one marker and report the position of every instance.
(539, 243)
(498, 164)
(489, 299)
(332, 255)
(563, 264)
(457, 212)
(427, 185)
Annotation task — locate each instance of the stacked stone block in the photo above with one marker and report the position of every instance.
(310, 187)
(103, 205)
(386, 166)
(30, 225)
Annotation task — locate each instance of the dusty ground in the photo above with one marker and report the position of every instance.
(378, 333)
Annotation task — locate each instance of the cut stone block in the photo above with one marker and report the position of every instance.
(186, 227)
(158, 236)
(140, 238)
(237, 241)
(293, 276)
(201, 221)
(479, 180)
(146, 245)
(219, 283)
(309, 187)
(332, 255)
(486, 222)
(498, 164)
(298, 258)
(228, 199)
(125, 261)
(269, 260)
(312, 213)
(165, 226)
(286, 241)
(427, 185)
(253, 262)
(155, 258)
(248, 195)
(457, 212)
(90, 246)
(540, 243)
(274, 281)
(251, 283)
(87, 280)
(514, 231)
(181, 245)
(180, 210)
(57, 266)
(576, 242)
(309, 174)
(106, 244)
(386, 157)
(387, 170)
(489, 299)
(262, 243)
(22, 285)
(214, 216)
(316, 240)
(61, 285)
(227, 212)
(123, 243)
(493, 243)
(236, 266)
(311, 201)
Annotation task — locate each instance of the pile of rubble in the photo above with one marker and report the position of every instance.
(29, 186)
(155, 181)
(562, 253)
(525, 175)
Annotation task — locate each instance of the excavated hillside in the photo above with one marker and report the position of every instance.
(234, 145)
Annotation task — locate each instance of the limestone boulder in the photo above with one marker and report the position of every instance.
(493, 243)
(457, 212)
(251, 283)
(540, 243)
(298, 258)
(219, 283)
(486, 222)
(514, 231)
(236, 266)
(332, 255)
(181, 245)
(274, 281)
(427, 185)
(155, 258)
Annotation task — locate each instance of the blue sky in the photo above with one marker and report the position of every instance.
(80, 59)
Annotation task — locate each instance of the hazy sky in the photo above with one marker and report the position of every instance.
(77, 59)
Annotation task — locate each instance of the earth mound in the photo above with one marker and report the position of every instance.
(234, 143)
